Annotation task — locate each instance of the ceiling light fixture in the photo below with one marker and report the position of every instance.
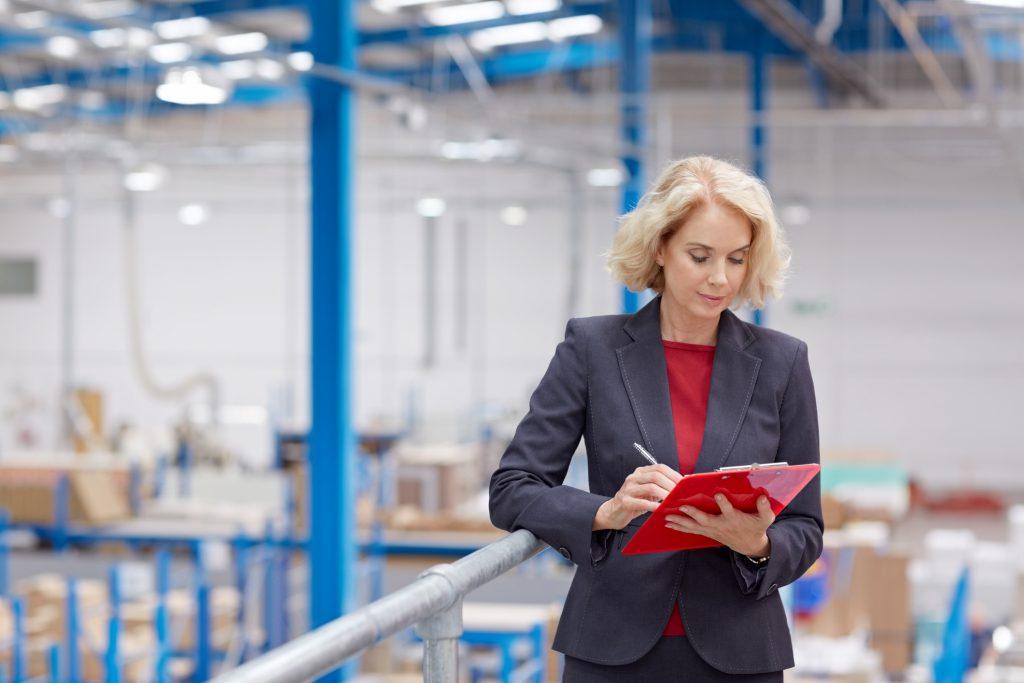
(238, 69)
(107, 9)
(109, 38)
(191, 85)
(431, 207)
(604, 177)
(391, 6)
(301, 61)
(145, 178)
(241, 43)
(451, 15)
(514, 34)
(176, 29)
(170, 53)
(193, 214)
(32, 20)
(40, 96)
(62, 47)
(513, 216)
(569, 27)
(269, 69)
(521, 7)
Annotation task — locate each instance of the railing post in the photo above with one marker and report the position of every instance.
(440, 634)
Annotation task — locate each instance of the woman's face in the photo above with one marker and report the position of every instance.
(705, 261)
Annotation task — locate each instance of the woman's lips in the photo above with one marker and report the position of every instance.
(711, 299)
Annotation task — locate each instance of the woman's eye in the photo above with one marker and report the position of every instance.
(737, 261)
(698, 259)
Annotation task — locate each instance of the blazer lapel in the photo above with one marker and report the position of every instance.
(733, 375)
(645, 377)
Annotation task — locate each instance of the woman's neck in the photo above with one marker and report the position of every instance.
(677, 326)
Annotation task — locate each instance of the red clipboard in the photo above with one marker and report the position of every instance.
(742, 485)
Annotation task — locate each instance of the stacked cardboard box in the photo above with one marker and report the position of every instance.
(45, 600)
(95, 496)
(436, 478)
(868, 591)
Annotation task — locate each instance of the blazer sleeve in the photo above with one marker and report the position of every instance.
(796, 534)
(526, 491)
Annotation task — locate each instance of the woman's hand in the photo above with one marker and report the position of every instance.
(642, 491)
(743, 532)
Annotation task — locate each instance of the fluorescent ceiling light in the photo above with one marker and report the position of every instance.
(520, 7)
(108, 38)
(464, 14)
(485, 150)
(389, 6)
(1012, 4)
(145, 178)
(140, 38)
(62, 47)
(241, 43)
(238, 69)
(39, 96)
(169, 53)
(604, 177)
(567, 27)
(488, 38)
(107, 9)
(301, 61)
(513, 216)
(193, 214)
(32, 20)
(269, 69)
(191, 85)
(431, 207)
(176, 29)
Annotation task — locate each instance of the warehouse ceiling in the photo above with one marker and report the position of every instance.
(104, 61)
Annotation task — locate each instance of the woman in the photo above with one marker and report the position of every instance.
(699, 389)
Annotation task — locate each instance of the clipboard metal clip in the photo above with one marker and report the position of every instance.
(752, 466)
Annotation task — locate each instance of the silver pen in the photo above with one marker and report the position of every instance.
(647, 456)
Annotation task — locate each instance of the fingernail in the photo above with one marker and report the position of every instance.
(719, 497)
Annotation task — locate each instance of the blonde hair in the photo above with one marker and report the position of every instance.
(682, 188)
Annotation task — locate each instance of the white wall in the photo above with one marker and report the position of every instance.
(911, 250)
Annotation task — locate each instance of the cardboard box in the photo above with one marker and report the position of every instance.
(870, 591)
(95, 496)
(437, 478)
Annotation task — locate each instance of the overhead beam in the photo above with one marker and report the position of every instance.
(790, 26)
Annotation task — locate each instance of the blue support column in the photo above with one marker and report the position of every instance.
(4, 575)
(332, 446)
(71, 635)
(759, 78)
(634, 85)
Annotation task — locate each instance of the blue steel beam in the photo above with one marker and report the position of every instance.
(759, 80)
(332, 439)
(635, 40)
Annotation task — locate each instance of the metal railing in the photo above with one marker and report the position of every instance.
(433, 603)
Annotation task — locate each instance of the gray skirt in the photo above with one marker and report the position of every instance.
(671, 659)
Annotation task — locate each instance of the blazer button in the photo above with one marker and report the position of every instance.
(564, 552)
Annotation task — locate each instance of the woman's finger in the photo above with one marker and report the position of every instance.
(764, 510)
(723, 503)
(700, 517)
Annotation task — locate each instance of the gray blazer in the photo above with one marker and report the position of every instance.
(608, 384)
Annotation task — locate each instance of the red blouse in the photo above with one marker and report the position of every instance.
(689, 383)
